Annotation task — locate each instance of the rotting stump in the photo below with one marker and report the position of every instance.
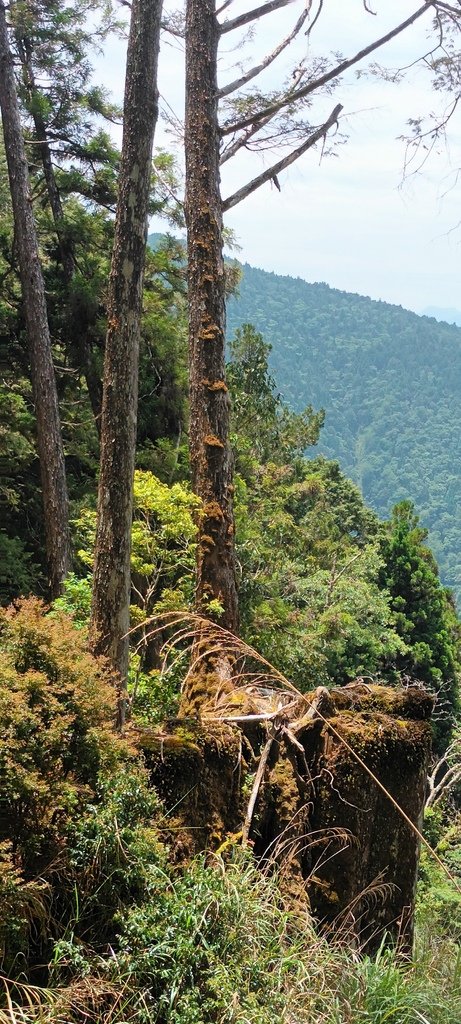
(292, 784)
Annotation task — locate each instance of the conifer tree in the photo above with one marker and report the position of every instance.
(52, 43)
(49, 440)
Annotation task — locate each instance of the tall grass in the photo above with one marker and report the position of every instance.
(215, 945)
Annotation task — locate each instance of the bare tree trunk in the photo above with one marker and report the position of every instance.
(210, 453)
(49, 439)
(111, 588)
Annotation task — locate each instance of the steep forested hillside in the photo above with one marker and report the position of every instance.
(390, 384)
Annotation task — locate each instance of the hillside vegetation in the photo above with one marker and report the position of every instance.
(390, 384)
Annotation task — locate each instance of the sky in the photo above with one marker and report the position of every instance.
(354, 219)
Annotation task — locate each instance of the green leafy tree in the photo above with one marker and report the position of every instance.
(307, 545)
(258, 413)
(424, 612)
(311, 597)
(163, 538)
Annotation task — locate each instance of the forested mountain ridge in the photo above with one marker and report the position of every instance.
(390, 384)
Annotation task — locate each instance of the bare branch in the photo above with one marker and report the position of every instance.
(315, 18)
(254, 15)
(255, 790)
(233, 147)
(447, 7)
(273, 171)
(239, 82)
(243, 140)
(224, 6)
(449, 780)
(297, 94)
(450, 773)
(174, 25)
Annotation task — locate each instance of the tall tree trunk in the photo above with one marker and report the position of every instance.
(111, 588)
(49, 440)
(66, 249)
(210, 452)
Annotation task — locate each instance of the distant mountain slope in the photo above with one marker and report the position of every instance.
(449, 315)
(390, 383)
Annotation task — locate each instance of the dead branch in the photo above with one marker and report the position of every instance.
(276, 168)
(451, 773)
(447, 7)
(297, 94)
(253, 129)
(254, 15)
(238, 83)
(315, 18)
(451, 777)
(224, 6)
(255, 790)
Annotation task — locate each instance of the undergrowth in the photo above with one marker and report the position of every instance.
(96, 922)
(215, 945)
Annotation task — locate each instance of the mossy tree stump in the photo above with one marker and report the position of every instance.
(342, 849)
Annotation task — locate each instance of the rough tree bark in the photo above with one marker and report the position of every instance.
(49, 439)
(211, 458)
(66, 249)
(210, 452)
(111, 587)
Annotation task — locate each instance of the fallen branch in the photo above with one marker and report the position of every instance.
(255, 790)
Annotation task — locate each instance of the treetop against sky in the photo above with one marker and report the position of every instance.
(350, 218)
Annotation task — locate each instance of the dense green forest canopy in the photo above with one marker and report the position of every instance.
(390, 384)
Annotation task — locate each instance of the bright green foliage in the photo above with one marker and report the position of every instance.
(438, 899)
(207, 947)
(163, 537)
(75, 599)
(113, 850)
(310, 593)
(163, 545)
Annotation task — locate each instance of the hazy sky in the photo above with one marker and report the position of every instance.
(350, 219)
